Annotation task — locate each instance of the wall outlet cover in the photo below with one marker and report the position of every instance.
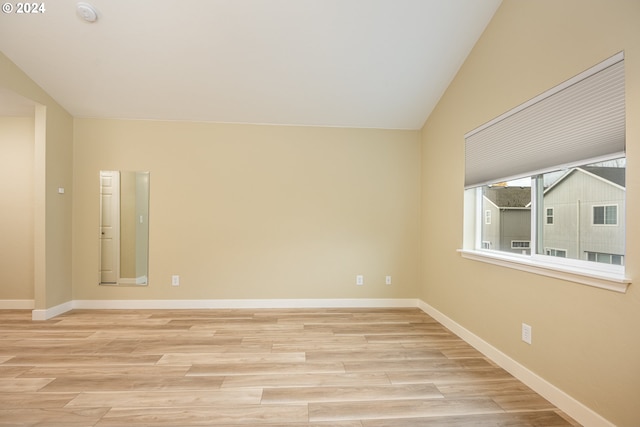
(526, 333)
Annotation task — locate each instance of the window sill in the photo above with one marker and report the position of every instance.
(599, 279)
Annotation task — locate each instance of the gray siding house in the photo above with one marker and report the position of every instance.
(584, 215)
(507, 219)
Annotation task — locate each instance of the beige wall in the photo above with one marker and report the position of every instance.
(16, 216)
(251, 212)
(291, 212)
(51, 169)
(59, 173)
(585, 340)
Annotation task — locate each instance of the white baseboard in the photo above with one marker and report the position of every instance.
(244, 303)
(222, 304)
(17, 304)
(553, 394)
(48, 313)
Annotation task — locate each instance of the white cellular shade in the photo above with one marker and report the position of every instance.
(581, 120)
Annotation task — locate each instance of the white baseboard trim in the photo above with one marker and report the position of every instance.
(553, 394)
(221, 304)
(244, 303)
(17, 304)
(46, 314)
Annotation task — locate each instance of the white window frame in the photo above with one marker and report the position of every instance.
(547, 216)
(487, 161)
(605, 276)
(604, 215)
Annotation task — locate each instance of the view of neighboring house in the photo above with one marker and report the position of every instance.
(583, 216)
(506, 222)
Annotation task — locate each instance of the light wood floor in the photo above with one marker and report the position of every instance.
(308, 367)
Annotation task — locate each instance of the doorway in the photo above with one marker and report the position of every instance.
(109, 227)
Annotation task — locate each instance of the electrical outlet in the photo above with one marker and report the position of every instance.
(359, 280)
(175, 280)
(387, 280)
(526, 333)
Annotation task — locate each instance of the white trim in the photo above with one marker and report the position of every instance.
(46, 314)
(603, 280)
(488, 200)
(604, 215)
(553, 394)
(17, 304)
(223, 303)
(593, 175)
(245, 303)
(547, 216)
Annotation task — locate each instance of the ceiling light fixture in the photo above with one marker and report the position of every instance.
(86, 12)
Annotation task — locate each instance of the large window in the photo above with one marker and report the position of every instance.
(584, 198)
(546, 181)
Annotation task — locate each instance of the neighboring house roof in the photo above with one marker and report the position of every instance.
(610, 175)
(520, 197)
(509, 197)
(615, 175)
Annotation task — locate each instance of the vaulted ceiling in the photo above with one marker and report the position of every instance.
(352, 63)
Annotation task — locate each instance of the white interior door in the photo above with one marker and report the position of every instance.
(109, 226)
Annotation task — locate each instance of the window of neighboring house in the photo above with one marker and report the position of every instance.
(520, 244)
(544, 208)
(549, 216)
(605, 215)
(562, 253)
(605, 258)
(486, 245)
(508, 229)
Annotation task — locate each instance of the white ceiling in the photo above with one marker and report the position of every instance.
(353, 63)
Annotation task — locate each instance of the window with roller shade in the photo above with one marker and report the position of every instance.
(551, 172)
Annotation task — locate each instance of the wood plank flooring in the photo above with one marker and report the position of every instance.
(307, 367)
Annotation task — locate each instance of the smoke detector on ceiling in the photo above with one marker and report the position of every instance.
(86, 12)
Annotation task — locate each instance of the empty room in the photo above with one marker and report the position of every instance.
(320, 213)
